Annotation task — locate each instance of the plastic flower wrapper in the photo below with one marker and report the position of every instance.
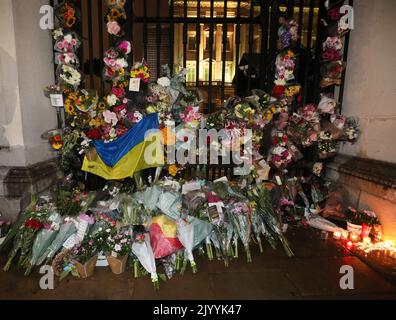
(163, 236)
(142, 249)
(25, 236)
(133, 212)
(193, 201)
(261, 196)
(15, 229)
(239, 213)
(44, 239)
(185, 233)
(149, 198)
(67, 229)
(202, 230)
(170, 203)
(169, 264)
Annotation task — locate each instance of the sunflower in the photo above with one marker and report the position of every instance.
(70, 109)
(102, 105)
(114, 14)
(70, 22)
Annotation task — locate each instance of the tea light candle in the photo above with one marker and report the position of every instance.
(354, 236)
(367, 240)
(345, 235)
(337, 235)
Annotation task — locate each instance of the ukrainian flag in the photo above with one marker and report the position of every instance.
(140, 148)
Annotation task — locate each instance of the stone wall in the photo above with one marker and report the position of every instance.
(368, 184)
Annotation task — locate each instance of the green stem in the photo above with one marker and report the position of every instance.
(209, 251)
(248, 254)
(260, 244)
(194, 267)
(136, 269)
(184, 266)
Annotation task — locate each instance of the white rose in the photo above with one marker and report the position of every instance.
(122, 63)
(164, 81)
(111, 100)
(68, 38)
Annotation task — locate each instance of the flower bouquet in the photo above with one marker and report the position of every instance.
(358, 220)
(285, 66)
(67, 229)
(68, 58)
(332, 73)
(116, 63)
(185, 233)
(43, 240)
(261, 196)
(163, 237)
(240, 215)
(280, 157)
(141, 71)
(351, 130)
(332, 48)
(142, 249)
(120, 247)
(67, 42)
(25, 235)
(85, 258)
(69, 76)
(67, 14)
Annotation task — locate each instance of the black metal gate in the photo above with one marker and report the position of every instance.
(214, 39)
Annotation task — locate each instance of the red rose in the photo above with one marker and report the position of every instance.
(279, 91)
(118, 92)
(94, 134)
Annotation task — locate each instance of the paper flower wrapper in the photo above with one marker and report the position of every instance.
(144, 252)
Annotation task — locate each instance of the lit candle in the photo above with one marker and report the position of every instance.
(349, 244)
(337, 235)
(345, 235)
(367, 240)
(354, 236)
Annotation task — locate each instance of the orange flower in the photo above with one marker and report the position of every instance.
(70, 22)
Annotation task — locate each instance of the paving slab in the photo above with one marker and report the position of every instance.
(321, 277)
(254, 286)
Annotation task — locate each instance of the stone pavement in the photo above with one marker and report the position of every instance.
(312, 274)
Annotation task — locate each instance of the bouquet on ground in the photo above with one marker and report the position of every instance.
(185, 233)
(84, 257)
(34, 221)
(240, 215)
(142, 249)
(261, 196)
(44, 239)
(67, 229)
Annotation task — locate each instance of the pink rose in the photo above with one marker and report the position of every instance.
(125, 46)
(113, 28)
(110, 62)
(60, 45)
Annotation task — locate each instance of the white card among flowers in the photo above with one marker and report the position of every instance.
(134, 84)
(56, 100)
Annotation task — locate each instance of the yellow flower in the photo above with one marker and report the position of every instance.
(96, 122)
(173, 170)
(71, 110)
(102, 105)
(151, 109)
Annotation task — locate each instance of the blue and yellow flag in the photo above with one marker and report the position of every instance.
(140, 148)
